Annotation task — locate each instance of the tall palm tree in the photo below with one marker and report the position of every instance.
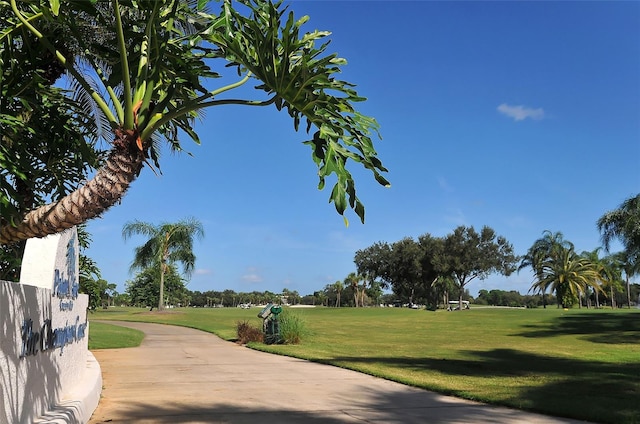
(338, 287)
(630, 265)
(353, 281)
(622, 224)
(146, 73)
(600, 267)
(568, 274)
(550, 245)
(612, 276)
(167, 244)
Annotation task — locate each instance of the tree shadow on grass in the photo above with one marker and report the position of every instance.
(596, 391)
(605, 327)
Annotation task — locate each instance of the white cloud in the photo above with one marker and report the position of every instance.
(203, 271)
(519, 113)
(252, 276)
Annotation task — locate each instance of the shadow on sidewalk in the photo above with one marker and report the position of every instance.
(389, 409)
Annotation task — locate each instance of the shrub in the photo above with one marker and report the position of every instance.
(248, 333)
(292, 327)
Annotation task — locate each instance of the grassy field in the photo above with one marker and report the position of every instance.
(579, 363)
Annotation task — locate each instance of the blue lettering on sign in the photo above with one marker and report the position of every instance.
(82, 330)
(67, 287)
(49, 338)
(66, 306)
(29, 338)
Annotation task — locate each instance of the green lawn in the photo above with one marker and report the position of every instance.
(106, 336)
(579, 363)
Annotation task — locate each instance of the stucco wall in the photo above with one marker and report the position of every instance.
(38, 359)
(44, 340)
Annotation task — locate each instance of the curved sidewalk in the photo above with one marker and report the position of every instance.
(181, 375)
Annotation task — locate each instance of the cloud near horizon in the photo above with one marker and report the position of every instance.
(252, 276)
(520, 112)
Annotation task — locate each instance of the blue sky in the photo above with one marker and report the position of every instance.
(523, 116)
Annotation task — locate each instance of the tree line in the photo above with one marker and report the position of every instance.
(427, 271)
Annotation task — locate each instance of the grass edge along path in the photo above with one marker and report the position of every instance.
(109, 336)
(582, 364)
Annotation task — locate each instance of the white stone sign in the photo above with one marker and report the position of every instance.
(44, 356)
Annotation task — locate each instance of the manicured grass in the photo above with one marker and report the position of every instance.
(107, 336)
(579, 363)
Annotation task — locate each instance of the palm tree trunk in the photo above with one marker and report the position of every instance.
(612, 299)
(163, 266)
(628, 294)
(107, 187)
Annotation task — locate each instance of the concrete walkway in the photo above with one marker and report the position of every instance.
(181, 375)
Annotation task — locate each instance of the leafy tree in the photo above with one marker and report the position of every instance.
(467, 254)
(90, 281)
(374, 291)
(510, 298)
(435, 284)
(405, 269)
(394, 265)
(144, 289)
(10, 261)
(228, 298)
(110, 293)
(141, 70)
(90, 278)
(47, 142)
(406, 266)
(371, 264)
(122, 299)
(167, 244)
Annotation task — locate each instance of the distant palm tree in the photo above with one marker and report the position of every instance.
(630, 265)
(600, 267)
(168, 243)
(613, 274)
(622, 224)
(353, 281)
(550, 245)
(568, 274)
(338, 287)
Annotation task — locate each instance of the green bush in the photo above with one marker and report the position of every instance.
(248, 333)
(293, 328)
